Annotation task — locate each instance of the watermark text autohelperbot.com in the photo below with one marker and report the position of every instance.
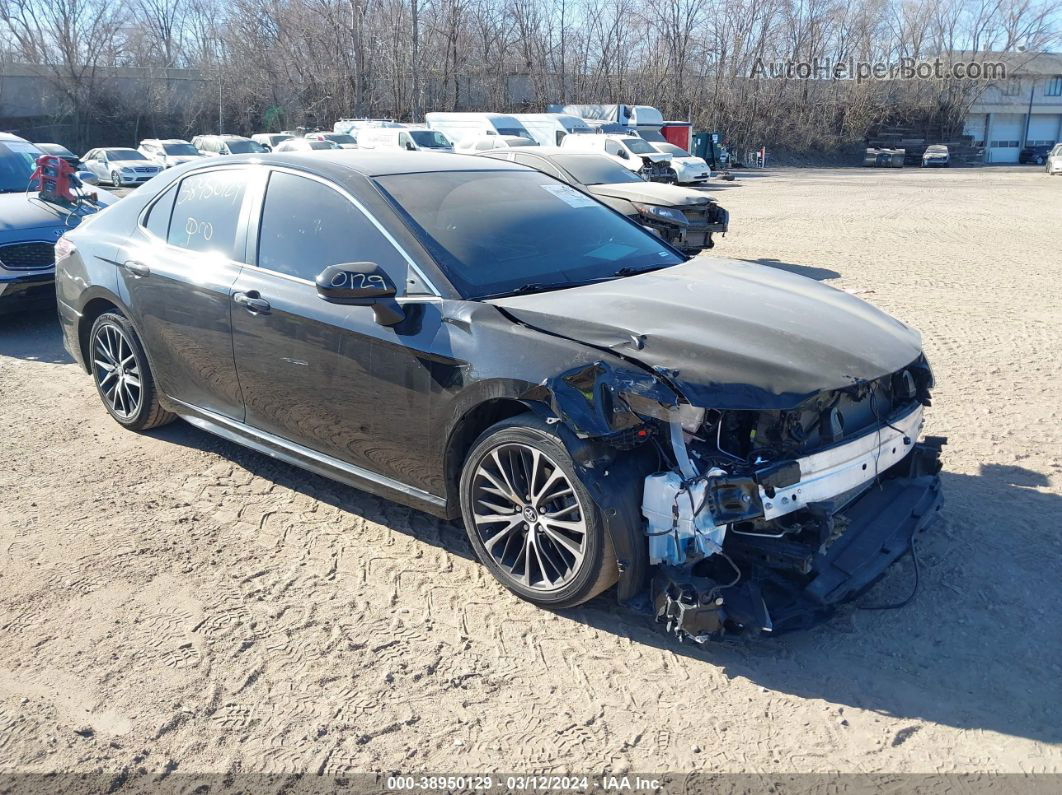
(860, 71)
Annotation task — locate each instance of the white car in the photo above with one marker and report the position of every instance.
(169, 152)
(120, 167)
(937, 156)
(305, 145)
(688, 169)
(484, 143)
(220, 145)
(271, 141)
(1054, 160)
(342, 140)
(629, 151)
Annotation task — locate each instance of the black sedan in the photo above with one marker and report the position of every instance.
(684, 217)
(477, 339)
(1036, 155)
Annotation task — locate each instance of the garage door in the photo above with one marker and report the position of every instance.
(1005, 137)
(1043, 129)
(975, 128)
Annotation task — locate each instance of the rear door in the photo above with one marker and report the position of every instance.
(323, 375)
(177, 281)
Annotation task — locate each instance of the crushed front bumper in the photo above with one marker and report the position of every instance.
(869, 534)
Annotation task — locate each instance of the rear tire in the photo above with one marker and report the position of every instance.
(122, 376)
(518, 481)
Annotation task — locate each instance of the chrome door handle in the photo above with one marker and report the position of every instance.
(138, 269)
(252, 302)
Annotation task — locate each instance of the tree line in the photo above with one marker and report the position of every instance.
(272, 64)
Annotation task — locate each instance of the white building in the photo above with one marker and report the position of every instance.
(1023, 110)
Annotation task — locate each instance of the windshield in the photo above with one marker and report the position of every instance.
(180, 150)
(937, 148)
(124, 154)
(245, 147)
(595, 170)
(17, 161)
(494, 232)
(339, 138)
(677, 151)
(430, 139)
(639, 147)
(55, 149)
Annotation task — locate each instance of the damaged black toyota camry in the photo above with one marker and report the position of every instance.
(477, 340)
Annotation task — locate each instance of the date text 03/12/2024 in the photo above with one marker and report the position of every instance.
(528, 783)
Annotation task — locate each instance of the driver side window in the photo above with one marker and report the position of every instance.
(612, 148)
(307, 226)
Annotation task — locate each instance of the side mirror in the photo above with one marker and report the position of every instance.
(361, 284)
(624, 155)
(411, 146)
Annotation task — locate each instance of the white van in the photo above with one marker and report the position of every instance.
(413, 139)
(549, 129)
(629, 151)
(457, 126)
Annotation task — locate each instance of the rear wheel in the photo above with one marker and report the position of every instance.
(530, 518)
(122, 376)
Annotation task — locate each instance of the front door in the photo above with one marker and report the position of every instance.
(176, 277)
(323, 375)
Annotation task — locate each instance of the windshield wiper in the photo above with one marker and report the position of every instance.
(533, 287)
(628, 271)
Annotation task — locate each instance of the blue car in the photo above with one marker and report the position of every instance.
(29, 228)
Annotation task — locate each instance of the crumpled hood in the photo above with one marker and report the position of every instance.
(656, 157)
(651, 193)
(729, 334)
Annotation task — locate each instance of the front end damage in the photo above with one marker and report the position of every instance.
(760, 521)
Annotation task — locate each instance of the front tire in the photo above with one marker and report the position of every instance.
(116, 179)
(531, 520)
(122, 376)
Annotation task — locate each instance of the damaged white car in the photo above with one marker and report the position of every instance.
(734, 445)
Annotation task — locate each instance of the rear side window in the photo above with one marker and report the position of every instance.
(306, 226)
(158, 218)
(206, 215)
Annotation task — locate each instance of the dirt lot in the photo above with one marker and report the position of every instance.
(171, 601)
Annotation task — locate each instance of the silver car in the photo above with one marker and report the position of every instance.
(168, 152)
(120, 167)
(936, 155)
(1054, 160)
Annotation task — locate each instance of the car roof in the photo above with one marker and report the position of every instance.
(339, 163)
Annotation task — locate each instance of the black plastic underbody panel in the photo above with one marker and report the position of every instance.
(881, 525)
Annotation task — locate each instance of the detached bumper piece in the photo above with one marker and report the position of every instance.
(789, 583)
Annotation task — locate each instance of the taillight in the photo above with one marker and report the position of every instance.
(64, 247)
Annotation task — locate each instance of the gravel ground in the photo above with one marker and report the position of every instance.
(171, 601)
